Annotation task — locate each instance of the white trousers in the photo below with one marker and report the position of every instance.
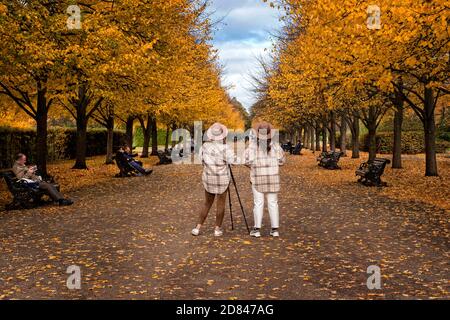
(258, 209)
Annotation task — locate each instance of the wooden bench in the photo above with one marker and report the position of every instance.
(125, 169)
(370, 172)
(164, 158)
(297, 151)
(287, 147)
(23, 196)
(329, 160)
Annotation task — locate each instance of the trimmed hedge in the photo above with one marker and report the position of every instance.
(444, 136)
(412, 143)
(61, 143)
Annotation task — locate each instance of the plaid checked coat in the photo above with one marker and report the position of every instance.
(264, 173)
(216, 157)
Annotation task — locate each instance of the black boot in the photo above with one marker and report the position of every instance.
(65, 202)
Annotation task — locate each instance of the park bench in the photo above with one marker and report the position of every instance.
(297, 151)
(370, 172)
(164, 158)
(125, 169)
(329, 160)
(23, 196)
(287, 147)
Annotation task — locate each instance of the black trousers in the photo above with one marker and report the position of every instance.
(138, 166)
(51, 190)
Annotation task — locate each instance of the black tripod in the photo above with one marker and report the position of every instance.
(239, 199)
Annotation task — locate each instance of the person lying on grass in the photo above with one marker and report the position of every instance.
(28, 174)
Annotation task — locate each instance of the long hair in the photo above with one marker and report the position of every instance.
(267, 130)
(268, 144)
(19, 156)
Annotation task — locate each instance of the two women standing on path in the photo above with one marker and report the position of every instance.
(262, 156)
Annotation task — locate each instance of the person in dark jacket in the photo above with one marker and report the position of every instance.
(137, 165)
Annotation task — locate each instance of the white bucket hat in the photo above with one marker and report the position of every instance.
(217, 132)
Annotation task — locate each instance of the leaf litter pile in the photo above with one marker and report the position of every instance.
(131, 237)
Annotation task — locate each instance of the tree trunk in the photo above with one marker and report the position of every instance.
(306, 138)
(429, 125)
(81, 121)
(311, 138)
(174, 127)
(355, 137)
(81, 141)
(324, 137)
(110, 141)
(397, 147)
(372, 144)
(372, 127)
(300, 135)
(154, 137)
(41, 131)
(343, 138)
(317, 136)
(146, 132)
(166, 146)
(129, 131)
(333, 131)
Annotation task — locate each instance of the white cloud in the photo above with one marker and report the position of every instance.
(243, 36)
(239, 58)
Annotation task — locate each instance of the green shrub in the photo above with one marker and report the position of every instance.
(444, 136)
(410, 123)
(412, 143)
(442, 146)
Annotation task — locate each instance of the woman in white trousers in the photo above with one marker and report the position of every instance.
(264, 157)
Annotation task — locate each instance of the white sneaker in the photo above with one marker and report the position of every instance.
(195, 232)
(274, 233)
(255, 233)
(218, 233)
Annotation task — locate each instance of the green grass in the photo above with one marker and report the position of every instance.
(138, 139)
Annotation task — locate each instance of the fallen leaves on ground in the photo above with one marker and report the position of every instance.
(131, 238)
(72, 180)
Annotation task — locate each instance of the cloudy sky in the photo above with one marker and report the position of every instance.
(242, 35)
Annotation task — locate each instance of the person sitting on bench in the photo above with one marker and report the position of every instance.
(137, 165)
(288, 147)
(298, 149)
(22, 171)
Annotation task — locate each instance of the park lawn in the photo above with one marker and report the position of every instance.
(74, 180)
(408, 184)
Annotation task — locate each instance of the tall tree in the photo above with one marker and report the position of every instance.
(30, 61)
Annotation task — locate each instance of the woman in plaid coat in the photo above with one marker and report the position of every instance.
(216, 155)
(264, 157)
